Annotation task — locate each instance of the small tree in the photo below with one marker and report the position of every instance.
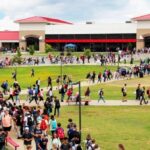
(48, 48)
(17, 58)
(18, 52)
(87, 52)
(31, 49)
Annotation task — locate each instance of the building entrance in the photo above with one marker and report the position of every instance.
(147, 41)
(32, 41)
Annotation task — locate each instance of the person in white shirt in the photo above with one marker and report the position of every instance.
(55, 142)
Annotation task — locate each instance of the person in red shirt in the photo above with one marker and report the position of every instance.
(69, 93)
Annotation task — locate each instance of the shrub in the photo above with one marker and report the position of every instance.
(87, 52)
(31, 49)
(48, 48)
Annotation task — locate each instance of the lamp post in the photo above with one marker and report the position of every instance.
(80, 119)
(80, 116)
(118, 59)
(61, 65)
(61, 70)
(119, 53)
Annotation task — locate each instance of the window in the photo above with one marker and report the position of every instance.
(98, 36)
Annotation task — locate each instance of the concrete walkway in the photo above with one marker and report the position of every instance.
(94, 103)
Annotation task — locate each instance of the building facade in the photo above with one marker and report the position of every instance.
(38, 31)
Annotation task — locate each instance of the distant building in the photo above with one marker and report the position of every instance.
(99, 37)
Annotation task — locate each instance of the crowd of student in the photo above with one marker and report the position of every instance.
(102, 59)
(34, 124)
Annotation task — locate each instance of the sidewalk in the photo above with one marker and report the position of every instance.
(95, 103)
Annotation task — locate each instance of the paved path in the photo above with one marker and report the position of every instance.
(95, 103)
(83, 84)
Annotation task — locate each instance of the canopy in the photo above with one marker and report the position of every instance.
(70, 45)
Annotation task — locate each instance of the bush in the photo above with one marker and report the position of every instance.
(19, 52)
(17, 58)
(87, 52)
(48, 48)
(31, 49)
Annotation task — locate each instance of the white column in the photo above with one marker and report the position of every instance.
(0, 44)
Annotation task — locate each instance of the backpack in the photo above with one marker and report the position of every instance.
(54, 125)
(30, 121)
(2, 138)
(30, 92)
(43, 125)
(57, 80)
(122, 89)
(3, 85)
(57, 104)
(60, 133)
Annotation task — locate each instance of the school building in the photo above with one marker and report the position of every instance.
(38, 31)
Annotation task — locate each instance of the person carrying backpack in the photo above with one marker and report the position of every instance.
(62, 92)
(43, 125)
(27, 137)
(124, 93)
(142, 96)
(101, 95)
(60, 132)
(37, 135)
(53, 124)
(57, 107)
(28, 121)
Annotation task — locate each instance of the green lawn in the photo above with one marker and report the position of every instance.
(77, 73)
(113, 125)
(112, 90)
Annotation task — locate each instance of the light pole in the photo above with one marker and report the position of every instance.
(80, 116)
(119, 53)
(61, 69)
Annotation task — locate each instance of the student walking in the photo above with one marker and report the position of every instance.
(62, 93)
(142, 96)
(49, 82)
(32, 72)
(101, 95)
(57, 107)
(87, 93)
(124, 93)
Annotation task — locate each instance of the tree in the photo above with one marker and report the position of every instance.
(31, 49)
(87, 52)
(18, 52)
(17, 58)
(48, 48)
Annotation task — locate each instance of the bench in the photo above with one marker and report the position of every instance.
(12, 142)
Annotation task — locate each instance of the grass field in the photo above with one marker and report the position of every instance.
(112, 90)
(113, 125)
(77, 73)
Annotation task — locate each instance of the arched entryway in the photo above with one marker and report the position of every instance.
(32, 41)
(147, 41)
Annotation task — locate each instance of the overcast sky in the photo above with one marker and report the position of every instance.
(76, 11)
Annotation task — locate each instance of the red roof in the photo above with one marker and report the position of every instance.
(38, 19)
(142, 18)
(9, 35)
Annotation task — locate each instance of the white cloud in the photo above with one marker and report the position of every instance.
(8, 24)
(74, 11)
(129, 9)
